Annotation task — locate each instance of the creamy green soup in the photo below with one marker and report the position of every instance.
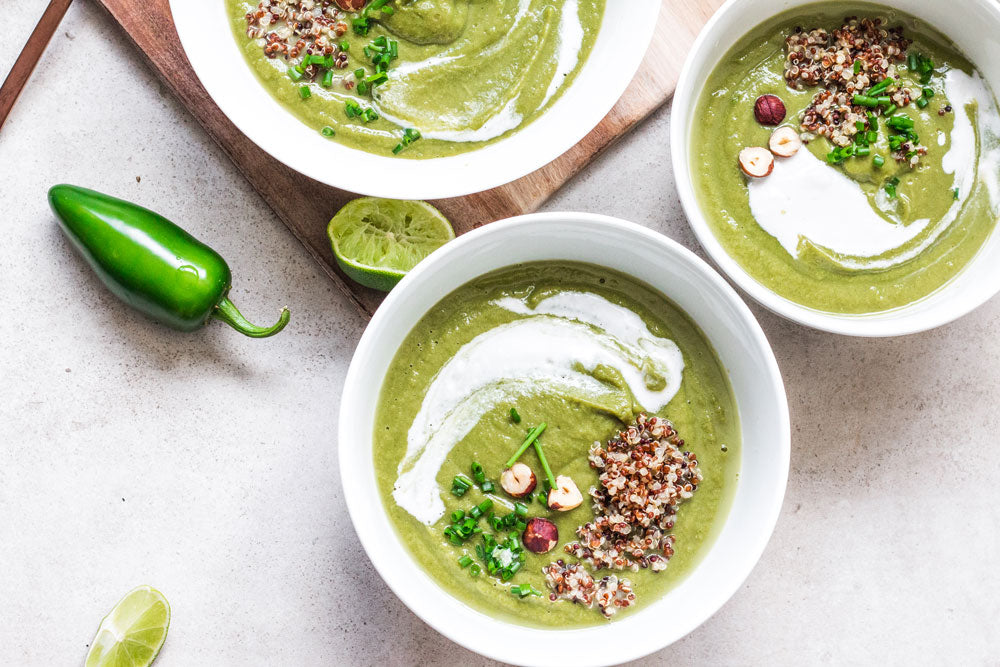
(466, 73)
(536, 337)
(856, 236)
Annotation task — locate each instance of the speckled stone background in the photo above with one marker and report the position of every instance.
(205, 464)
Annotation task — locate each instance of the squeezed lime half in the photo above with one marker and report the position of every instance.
(133, 632)
(376, 241)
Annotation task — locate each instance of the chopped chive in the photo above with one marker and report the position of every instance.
(859, 125)
(530, 438)
(460, 485)
(872, 136)
(928, 92)
(865, 101)
(327, 79)
(388, 10)
(862, 151)
(457, 516)
(327, 131)
(478, 473)
(344, 45)
(922, 102)
(294, 74)
(888, 111)
(520, 509)
(545, 464)
(880, 86)
(485, 506)
(514, 416)
(487, 486)
(857, 66)
(911, 61)
(883, 100)
(475, 570)
(464, 561)
(954, 192)
(878, 161)
(362, 87)
(304, 92)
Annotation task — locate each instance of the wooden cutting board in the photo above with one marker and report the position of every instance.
(305, 205)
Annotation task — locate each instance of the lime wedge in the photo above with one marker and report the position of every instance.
(376, 241)
(133, 632)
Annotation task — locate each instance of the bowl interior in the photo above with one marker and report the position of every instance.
(205, 34)
(972, 25)
(741, 347)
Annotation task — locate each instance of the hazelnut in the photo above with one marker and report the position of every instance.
(351, 5)
(769, 110)
(540, 536)
(518, 480)
(565, 496)
(756, 162)
(784, 142)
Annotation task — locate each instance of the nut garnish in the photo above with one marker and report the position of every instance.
(784, 142)
(518, 480)
(756, 162)
(769, 110)
(540, 535)
(565, 495)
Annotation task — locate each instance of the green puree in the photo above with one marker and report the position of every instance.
(703, 411)
(461, 62)
(725, 124)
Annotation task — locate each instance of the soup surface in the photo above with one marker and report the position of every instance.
(584, 350)
(461, 73)
(891, 222)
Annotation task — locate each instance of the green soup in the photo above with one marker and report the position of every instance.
(525, 337)
(467, 72)
(863, 234)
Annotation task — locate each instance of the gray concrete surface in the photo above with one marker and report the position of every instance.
(205, 464)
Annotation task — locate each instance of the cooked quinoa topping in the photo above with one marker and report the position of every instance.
(819, 58)
(572, 582)
(294, 29)
(643, 477)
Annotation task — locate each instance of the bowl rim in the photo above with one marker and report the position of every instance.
(359, 509)
(877, 324)
(559, 128)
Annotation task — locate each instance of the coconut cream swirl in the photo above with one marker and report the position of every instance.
(553, 348)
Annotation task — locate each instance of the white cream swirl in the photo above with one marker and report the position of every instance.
(805, 199)
(550, 349)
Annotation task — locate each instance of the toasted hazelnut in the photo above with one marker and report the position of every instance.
(565, 496)
(756, 162)
(769, 110)
(540, 536)
(351, 5)
(518, 480)
(784, 142)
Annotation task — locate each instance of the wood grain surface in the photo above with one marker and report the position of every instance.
(30, 54)
(305, 205)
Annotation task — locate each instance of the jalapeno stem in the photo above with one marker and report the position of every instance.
(228, 313)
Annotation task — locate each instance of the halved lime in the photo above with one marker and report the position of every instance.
(376, 241)
(133, 632)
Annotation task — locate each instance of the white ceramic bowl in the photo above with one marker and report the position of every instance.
(973, 25)
(208, 42)
(743, 350)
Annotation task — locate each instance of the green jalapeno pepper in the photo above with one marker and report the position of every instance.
(150, 263)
